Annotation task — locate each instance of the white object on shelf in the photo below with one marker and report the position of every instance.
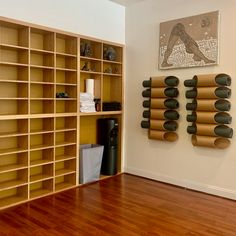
(90, 86)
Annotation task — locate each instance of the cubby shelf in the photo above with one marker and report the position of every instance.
(101, 113)
(39, 130)
(91, 72)
(40, 162)
(39, 193)
(7, 168)
(11, 184)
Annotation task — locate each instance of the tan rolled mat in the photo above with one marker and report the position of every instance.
(163, 135)
(206, 129)
(158, 93)
(205, 80)
(206, 104)
(158, 103)
(158, 81)
(157, 124)
(208, 141)
(157, 114)
(206, 117)
(208, 92)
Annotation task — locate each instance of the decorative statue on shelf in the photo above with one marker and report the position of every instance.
(109, 54)
(85, 66)
(86, 49)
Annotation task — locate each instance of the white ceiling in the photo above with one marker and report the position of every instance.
(126, 2)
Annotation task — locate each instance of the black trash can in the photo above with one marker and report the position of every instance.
(107, 136)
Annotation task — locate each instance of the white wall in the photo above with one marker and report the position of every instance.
(180, 163)
(100, 19)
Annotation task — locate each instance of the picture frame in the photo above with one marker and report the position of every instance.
(189, 42)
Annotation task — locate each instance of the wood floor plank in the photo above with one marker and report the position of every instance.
(123, 205)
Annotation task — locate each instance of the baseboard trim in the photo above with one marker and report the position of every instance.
(209, 189)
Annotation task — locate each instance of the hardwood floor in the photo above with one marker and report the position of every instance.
(123, 205)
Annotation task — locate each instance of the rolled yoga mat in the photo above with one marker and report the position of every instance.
(209, 92)
(161, 114)
(208, 80)
(209, 105)
(210, 117)
(163, 135)
(210, 130)
(160, 92)
(160, 125)
(161, 81)
(158, 103)
(208, 141)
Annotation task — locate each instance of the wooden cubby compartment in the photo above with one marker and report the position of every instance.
(66, 62)
(40, 141)
(13, 196)
(41, 59)
(13, 73)
(65, 138)
(118, 51)
(65, 167)
(65, 181)
(95, 49)
(65, 105)
(66, 44)
(13, 161)
(88, 132)
(13, 127)
(71, 90)
(66, 123)
(13, 90)
(41, 40)
(41, 91)
(41, 156)
(13, 144)
(40, 172)
(65, 152)
(41, 125)
(11, 55)
(41, 75)
(13, 107)
(13, 179)
(39, 106)
(14, 34)
(97, 83)
(111, 68)
(90, 65)
(66, 77)
(41, 188)
(112, 89)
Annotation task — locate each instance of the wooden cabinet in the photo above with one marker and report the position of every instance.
(41, 76)
(107, 72)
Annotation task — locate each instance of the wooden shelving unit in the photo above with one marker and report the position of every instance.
(40, 132)
(108, 87)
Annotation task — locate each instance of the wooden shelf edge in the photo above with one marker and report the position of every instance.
(90, 58)
(99, 113)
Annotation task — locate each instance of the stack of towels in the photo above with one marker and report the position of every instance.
(87, 103)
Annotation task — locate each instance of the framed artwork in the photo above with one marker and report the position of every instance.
(189, 42)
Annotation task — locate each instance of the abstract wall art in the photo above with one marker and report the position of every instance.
(189, 42)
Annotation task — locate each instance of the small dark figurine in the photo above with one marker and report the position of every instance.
(109, 54)
(108, 70)
(115, 71)
(62, 95)
(86, 50)
(85, 66)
